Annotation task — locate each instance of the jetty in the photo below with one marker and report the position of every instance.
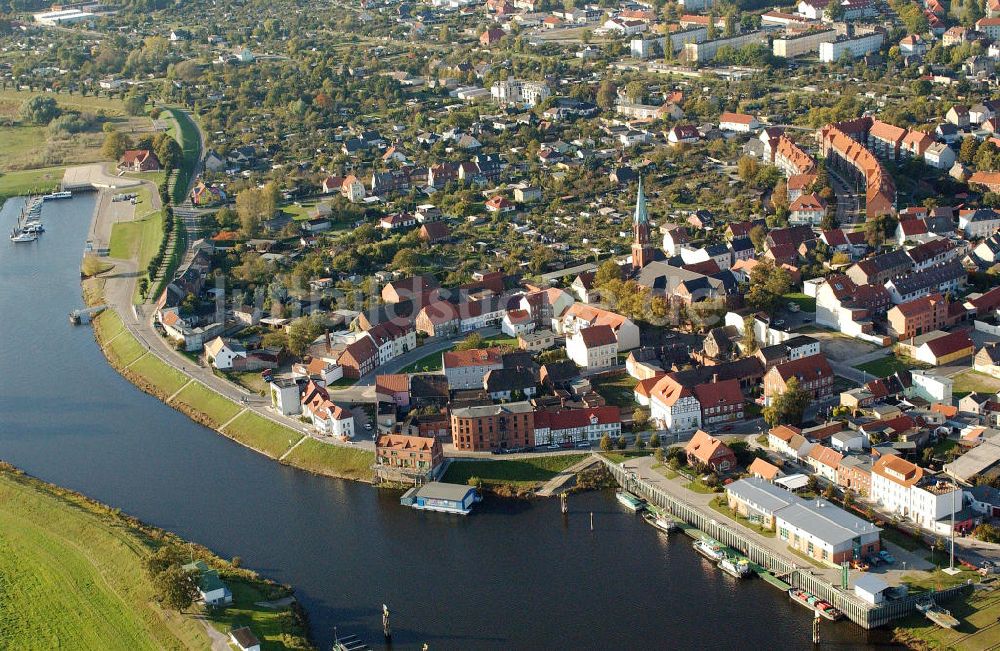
(350, 643)
(85, 315)
(783, 572)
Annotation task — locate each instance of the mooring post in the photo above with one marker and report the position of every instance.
(385, 623)
(591, 520)
(563, 504)
(815, 628)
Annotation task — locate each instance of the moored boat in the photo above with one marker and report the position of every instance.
(629, 501)
(661, 522)
(23, 237)
(710, 549)
(63, 194)
(735, 567)
(936, 613)
(809, 600)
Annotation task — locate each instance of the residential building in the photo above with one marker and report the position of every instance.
(706, 50)
(326, 416)
(738, 122)
(492, 427)
(673, 406)
(813, 374)
(901, 487)
(855, 473)
(793, 44)
(918, 316)
(593, 347)
(853, 47)
(577, 425)
(709, 451)
(399, 457)
(465, 369)
(721, 402)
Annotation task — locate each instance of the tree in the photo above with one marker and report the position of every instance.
(162, 559)
(789, 407)
(607, 94)
(606, 443)
(115, 145)
(167, 151)
(967, 150)
(987, 533)
(301, 333)
(749, 335)
(640, 419)
(639, 443)
(828, 492)
(876, 230)
(768, 284)
(254, 205)
(40, 110)
(622, 443)
(758, 234)
(472, 341)
(747, 167)
(135, 104)
(658, 453)
(654, 441)
(606, 273)
(176, 587)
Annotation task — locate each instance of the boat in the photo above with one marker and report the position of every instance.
(661, 522)
(710, 549)
(23, 237)
(64, 194)
(630, 501)
(809, 600)
(735, 567)
(936, 613)
(33, 227)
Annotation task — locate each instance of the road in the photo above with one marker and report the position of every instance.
(848, 201)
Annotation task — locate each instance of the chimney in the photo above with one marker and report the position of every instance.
(328, 344)
(715, 378)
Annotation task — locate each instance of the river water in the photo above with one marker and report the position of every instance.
(513, 575)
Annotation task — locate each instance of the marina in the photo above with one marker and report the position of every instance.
(28, 226)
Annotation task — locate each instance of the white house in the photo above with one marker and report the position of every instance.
(517, 322)
(939, 156)
(326, 416)
(223, 353)
(593, 347)
(739, 122)
(674, 407)
(900, 487)
(932, 388)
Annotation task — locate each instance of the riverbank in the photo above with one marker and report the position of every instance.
(75, 579)
(152, 375)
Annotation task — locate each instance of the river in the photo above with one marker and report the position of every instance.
(513, 575)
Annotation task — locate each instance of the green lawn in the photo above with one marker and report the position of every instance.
(805, 303)
(977, 629)
(262, 434)
(333, 460)
(500, 340)
(107, 325)
(73, 577)
(620, 456)
(88, 103)
(900, 539)
(698, 486)
(202, 399)
(22, 182)
(249, 380)
(155, 371)
(20, 143)
(886, 366)
(971, 381)
(125, 349)
(427, 363)
(186, 135)
(270, 625)
(532, 471)
(617, 391)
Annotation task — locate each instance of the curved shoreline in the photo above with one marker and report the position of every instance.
(204, 419)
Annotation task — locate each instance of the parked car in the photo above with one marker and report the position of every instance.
(887, 557)
(554, 446)
(583, 445)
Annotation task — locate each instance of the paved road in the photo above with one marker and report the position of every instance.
(848, 201)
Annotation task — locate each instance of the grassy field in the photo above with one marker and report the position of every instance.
(805, 303)
(186, 135)
(262, 434)
(107, 325)
(427, 363)
(11, 100)
(125, 349)
(74, 579)
(885, 366)
(720, 505)
(39, 181)
(140, 238)
(520, 473)
(617, 390)
(200, 398)
(155, 371)
(971, 381)
(977, 629)
(336, 460)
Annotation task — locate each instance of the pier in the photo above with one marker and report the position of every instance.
(860, 612)
(84, 316)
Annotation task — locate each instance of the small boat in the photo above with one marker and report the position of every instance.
(810, 600)
(23, 237)
(64, 194)
(735, 567)
(661, 522)
(936, 613)
(33, 227)
(710, 549)
(629, 501)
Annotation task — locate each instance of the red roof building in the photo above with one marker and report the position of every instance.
(705, 449)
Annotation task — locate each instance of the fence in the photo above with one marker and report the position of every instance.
(860, 612)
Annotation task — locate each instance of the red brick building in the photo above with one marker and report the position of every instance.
(402, 455)
(493, 427)
(360, 358)
(706, 449)
(813, 373)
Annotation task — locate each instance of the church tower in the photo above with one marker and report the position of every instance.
(642, 252)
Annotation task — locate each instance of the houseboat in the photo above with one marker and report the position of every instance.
(662, 522)
(713, 550)
(735, 567)
(629, 501)
(810, 600)
(441, 497)
(63, 194)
